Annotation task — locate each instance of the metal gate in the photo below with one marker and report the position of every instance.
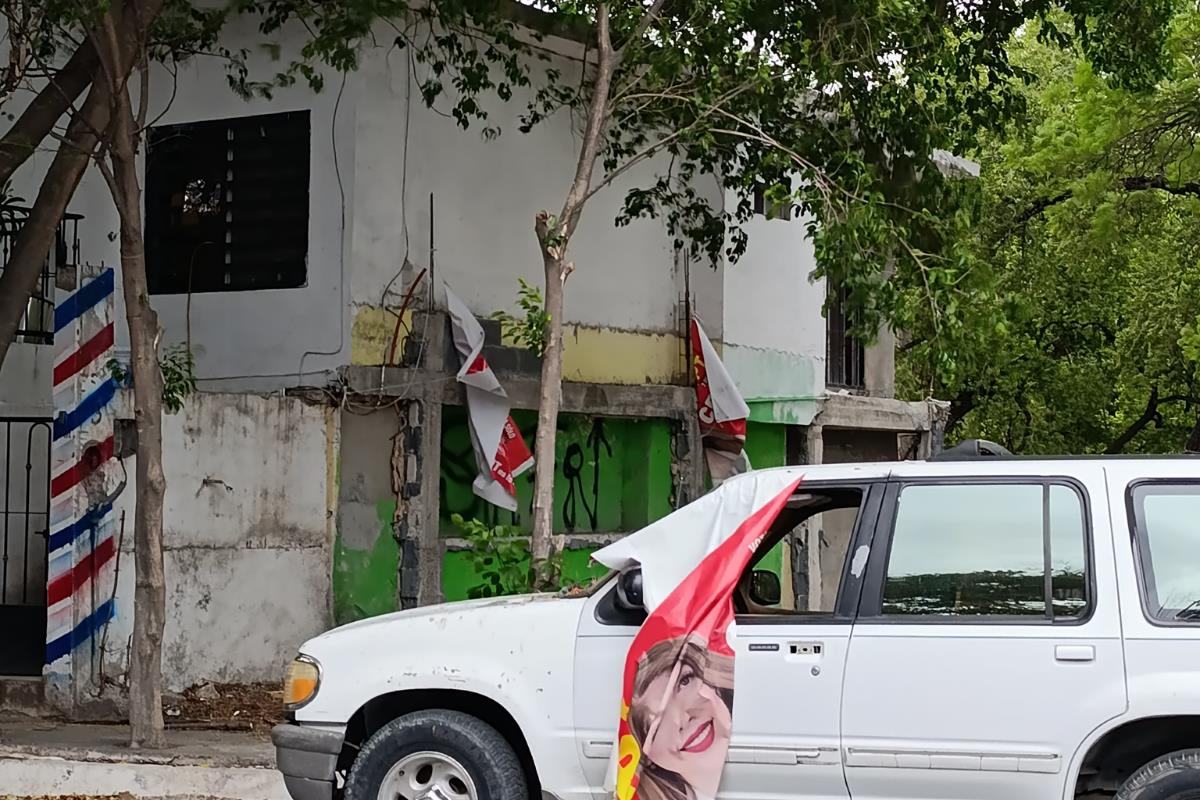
(24, 533)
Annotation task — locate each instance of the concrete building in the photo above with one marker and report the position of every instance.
(298, 246)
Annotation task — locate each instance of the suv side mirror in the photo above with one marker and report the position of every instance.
(764, 588)
(629, 590)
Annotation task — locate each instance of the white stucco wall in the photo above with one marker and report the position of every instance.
(774, 327)
(485, 197)
(248, 538)
(254, 338)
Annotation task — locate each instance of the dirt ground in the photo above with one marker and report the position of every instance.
(226, 706)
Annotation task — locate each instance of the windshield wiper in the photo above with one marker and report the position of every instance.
(1190, 611)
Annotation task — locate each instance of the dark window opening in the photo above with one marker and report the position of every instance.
(227, 204)
(845, 355)
(767, 208)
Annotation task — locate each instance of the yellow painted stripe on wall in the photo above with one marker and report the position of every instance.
(590, 355)
(599, 355)
(371, 335)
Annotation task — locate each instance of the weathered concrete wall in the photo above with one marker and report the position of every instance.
(248, 537)
(25, 381)
(366, 556)
(774, 337)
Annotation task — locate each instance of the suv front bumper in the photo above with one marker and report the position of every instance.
(307, 757)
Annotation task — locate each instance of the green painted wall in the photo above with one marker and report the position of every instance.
(614, 475)
(458, 577)
(766, 446)
(364, 581)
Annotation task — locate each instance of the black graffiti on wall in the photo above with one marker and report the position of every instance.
(459, 469)
(572, 470)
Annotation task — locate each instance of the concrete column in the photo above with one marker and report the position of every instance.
(416, 472)
(687, 461)
(814, 445)
(814, 442)
(879, 365)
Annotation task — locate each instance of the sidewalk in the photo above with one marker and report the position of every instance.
(40, 758)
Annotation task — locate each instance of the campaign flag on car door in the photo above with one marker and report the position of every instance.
(500, 449)
(722, 411)
(676, 711)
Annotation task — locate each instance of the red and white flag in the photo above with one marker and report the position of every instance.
(722, 411)
(677, 693)
(500, 449)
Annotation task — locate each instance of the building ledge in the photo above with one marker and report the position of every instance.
(838, 410)
(618, 400)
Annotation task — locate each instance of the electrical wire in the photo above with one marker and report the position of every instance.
(337, 169)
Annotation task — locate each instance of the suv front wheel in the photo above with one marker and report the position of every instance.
(436, 755)
(1173, 777)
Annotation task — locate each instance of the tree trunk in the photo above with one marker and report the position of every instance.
(33, 243)
(554, 236)
(549, 401)
(120, 49)
(149, 600)
(1192, 445)
(41, 115)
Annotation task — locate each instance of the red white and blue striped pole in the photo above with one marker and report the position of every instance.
(81, 546)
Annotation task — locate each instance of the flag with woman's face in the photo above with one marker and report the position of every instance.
(677, 694)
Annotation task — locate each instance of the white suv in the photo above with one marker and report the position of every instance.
(958, 629)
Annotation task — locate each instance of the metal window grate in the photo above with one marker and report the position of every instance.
(227, 204)
(845, 356)
(37, 323)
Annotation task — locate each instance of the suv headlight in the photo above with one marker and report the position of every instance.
(301, 682)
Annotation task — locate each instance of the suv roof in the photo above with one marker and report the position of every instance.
(983, 450)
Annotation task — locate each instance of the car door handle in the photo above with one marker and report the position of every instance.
(597, 749)
(1074, 652)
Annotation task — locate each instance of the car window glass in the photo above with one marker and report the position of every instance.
(1169, 545)
(981, 551)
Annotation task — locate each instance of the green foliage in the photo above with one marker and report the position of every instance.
(499, 555)
(1080, 295)
(845, 103)
(529, 331)
(179, 376)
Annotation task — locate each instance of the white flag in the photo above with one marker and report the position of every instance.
(500, 450)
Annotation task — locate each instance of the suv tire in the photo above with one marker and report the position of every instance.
(463, 741)
(1173, 777)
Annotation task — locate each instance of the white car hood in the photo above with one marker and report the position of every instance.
(482, 646)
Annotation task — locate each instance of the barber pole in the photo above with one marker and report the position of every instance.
(500, 449)
(722, 411)
(81, 546)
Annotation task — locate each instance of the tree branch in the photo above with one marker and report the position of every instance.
(643, 25)
(589, 151)
(1148, 416)
(1131, 183)
(40, 116)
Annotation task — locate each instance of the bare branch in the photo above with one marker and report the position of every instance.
(643, 25)
(143, 94)
(589, 150)
(39, 117)
(652, 149)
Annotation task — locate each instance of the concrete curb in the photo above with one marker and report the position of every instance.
(96, 756)
(41, 775)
